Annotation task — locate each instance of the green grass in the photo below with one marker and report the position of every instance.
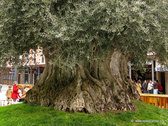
(31, 115)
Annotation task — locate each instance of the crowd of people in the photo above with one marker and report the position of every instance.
(15, 94)
(149, 87)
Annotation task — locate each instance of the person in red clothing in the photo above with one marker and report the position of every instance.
(160, 88)
(15, 93)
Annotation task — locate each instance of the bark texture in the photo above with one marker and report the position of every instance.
(90, 87)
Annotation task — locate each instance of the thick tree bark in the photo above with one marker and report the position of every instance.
(96, 87)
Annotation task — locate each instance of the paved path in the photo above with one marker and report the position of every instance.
(3, 101)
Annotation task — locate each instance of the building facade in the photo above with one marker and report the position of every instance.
(28, 71)
(162, 76)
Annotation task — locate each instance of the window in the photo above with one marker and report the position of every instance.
(26, 77)
(5, 77)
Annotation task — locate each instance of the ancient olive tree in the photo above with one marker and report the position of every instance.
(87, 45)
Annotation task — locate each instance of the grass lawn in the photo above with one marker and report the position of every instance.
(31, 115)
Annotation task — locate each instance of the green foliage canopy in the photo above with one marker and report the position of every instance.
(77, 30)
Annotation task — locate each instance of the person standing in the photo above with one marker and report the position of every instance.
(139, 86)
(150, 87)
(8, 95)
(160, 89)
(155, 87)
(144, 86)
(15, 93)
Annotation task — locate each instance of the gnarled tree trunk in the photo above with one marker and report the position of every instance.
(90, 87)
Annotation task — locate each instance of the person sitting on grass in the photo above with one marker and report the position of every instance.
(8, 94)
